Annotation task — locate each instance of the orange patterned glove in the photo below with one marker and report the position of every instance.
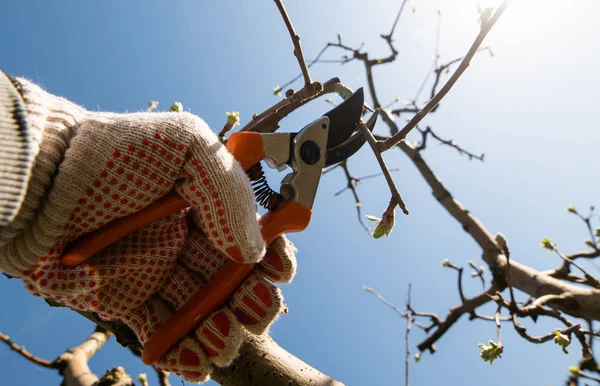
(85, 169)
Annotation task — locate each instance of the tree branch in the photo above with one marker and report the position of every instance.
(261, 361)
(296, 40)
(485, 29)
(26, 354)
(74, 362)
(396, 197)
(446, 142)
(453, 315)
(351, 186)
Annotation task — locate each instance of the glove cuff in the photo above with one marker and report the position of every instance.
(29, 116)
(16, 154)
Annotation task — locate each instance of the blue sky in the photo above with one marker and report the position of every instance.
(532, 109)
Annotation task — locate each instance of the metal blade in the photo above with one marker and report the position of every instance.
(348, 148)
(344, 118)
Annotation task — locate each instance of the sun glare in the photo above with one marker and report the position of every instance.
(523, 16)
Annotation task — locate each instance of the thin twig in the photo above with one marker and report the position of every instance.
(384, 301)
(397, 18)
(26, 354)
(498, 326)
(590, 377)
(485, 29)
(396, 197)
(536, 309)
(317, 59)
(296, 40)
(453, 315)
(446, 142)
(268, 120)
(590, 280)
(409, 321)
(358, 180)
(506, 252)
(352, 188)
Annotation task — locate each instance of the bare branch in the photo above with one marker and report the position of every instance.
(453, 315)
(268, 120)
(498, 326)
(447, 142)
(485, 29)
(26, 354)
(396, 197)
(351, 185)
(589, 279)
(296, 40)
(409, 321)
(397, 18)
(358, 180)
(74, 362)
(259, 357)
(522, 331)
(384, 301)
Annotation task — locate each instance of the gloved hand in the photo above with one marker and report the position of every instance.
(84, 169)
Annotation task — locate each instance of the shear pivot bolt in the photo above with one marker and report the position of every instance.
(310, 152)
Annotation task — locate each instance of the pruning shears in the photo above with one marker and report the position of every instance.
(324, 142)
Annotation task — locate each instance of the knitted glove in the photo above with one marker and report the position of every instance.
(85, 169)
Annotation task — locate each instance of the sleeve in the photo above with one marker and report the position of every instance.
(16, 150)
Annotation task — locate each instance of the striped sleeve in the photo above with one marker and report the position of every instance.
(16, 150)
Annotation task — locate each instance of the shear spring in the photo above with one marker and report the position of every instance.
(265, 196)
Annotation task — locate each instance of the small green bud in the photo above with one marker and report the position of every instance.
(372, 218)
(571, 209)
(597, 232)
(546, 243)
(142, 378)
(152, 105)
(485, 14)
(277, 91)
(385, 225)
(417, 357)
(491, 352)
(590, 243)
(445, 263)
(177, 107)
(562, 340)
(575, 370)
(233, 118)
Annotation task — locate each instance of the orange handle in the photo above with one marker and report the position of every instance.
(290, 216)
(86, 246)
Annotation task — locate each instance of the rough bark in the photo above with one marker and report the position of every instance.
(262, 362)
(74, 362)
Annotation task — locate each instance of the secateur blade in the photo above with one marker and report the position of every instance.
(344, 118)
(348, 148)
